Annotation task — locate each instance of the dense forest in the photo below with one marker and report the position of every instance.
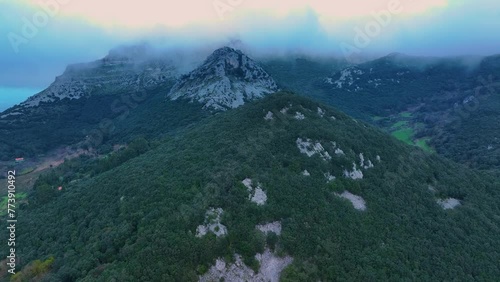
(133, 215)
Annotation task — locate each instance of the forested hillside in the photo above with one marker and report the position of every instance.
(352, 203)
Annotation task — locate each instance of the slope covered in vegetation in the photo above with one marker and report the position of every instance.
(353, 204)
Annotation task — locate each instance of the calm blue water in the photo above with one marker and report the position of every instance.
(10, 96)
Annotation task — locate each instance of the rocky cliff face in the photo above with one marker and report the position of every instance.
(227, 79)
(124, 69)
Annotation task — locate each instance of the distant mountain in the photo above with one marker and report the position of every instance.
(124, 69)
(227, 79)
(399, 70)
(280, 188)
(448, 105)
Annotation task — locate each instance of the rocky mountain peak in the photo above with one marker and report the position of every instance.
(225, 80)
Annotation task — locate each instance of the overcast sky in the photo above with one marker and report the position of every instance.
(40, 37)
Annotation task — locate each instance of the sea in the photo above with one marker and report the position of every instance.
(10, 96)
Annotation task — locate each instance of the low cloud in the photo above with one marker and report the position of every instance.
(77, 34)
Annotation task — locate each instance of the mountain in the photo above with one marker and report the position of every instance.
(279, 188)
(105, 102)
(396, 69)
(446, 105)
(124, 68)
(442, 104)
(227, 79)
(120, 97)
